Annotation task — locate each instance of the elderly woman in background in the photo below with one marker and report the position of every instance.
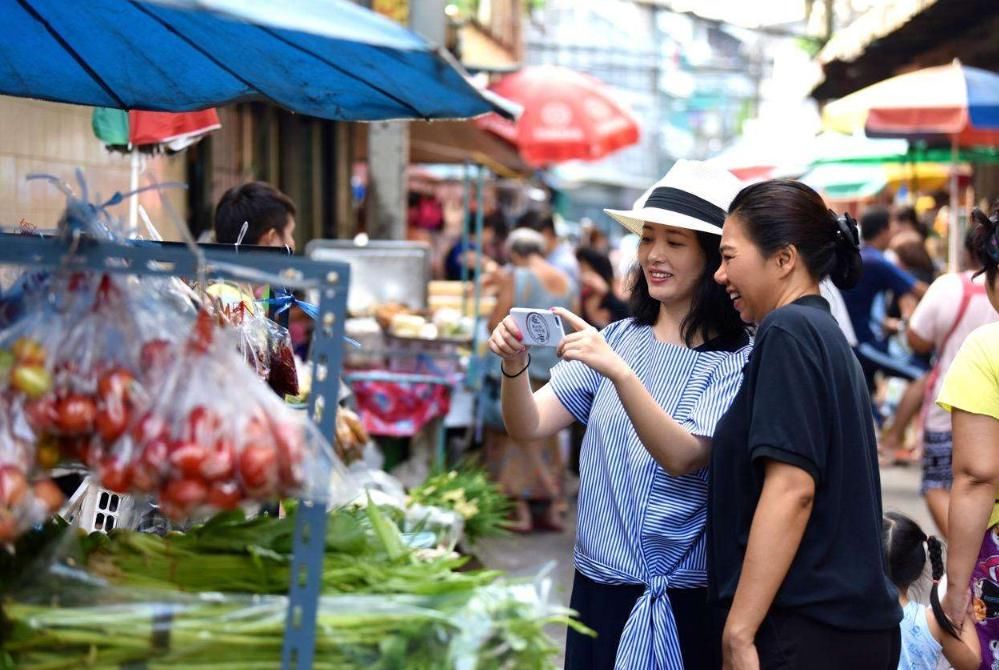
(530, 471)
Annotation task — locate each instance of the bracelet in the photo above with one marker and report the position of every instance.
(519, 373)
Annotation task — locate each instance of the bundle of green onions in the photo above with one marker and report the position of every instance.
(495, 630)
(364, 554)
(160, 603)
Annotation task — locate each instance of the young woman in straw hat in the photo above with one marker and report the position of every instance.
(649, 390)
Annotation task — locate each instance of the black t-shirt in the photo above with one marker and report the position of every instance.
(804, 401)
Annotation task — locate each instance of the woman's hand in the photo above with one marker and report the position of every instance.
(739, 653)
(955, 605)
(507, 341)
(589, 347)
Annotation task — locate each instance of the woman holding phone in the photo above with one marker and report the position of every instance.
(649, 390)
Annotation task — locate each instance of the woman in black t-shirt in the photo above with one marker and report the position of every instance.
(794, 515)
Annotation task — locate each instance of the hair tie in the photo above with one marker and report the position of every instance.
(847, 229)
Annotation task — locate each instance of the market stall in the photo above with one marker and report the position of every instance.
(413, 341)
(180, 57)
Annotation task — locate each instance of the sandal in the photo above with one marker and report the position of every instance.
(551, 520)
(520, 519)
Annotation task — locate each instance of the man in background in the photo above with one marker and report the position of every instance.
(267, 213)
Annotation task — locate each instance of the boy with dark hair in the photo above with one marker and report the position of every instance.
(268, 213)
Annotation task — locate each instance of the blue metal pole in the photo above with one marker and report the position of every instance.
(466, 210)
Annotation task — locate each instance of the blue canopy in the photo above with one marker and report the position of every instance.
(326, 58)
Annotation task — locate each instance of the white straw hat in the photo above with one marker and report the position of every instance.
(693, 195)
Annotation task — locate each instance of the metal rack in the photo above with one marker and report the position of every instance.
(330, 279)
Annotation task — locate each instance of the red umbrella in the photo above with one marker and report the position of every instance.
(567, 115)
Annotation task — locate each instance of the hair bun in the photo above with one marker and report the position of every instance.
(847, 230)
(846, 272)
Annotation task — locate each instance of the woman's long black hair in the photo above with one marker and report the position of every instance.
(711, 312)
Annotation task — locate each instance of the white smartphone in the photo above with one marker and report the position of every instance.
(540, 327)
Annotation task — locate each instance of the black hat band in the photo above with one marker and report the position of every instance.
(682, 202)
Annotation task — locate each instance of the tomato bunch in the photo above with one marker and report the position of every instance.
(203, 460)
(26, 496)
(216, 439)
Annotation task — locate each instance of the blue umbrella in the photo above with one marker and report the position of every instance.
(325, 58)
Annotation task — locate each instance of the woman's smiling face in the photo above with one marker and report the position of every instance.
(745, 273)
(672, 261)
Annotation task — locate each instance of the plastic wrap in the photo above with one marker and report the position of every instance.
(66, 617)
(214, 436)
(265, 344)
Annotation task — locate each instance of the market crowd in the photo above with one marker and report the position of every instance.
(731, 389)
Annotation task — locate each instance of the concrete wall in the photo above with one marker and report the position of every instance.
(54, 138)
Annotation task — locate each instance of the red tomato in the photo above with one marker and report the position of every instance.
(220, 462)
(116, 383)
(41, 413)
(111, 422)
(13, 485)
(47, 493)
(75, 414)
(148, 428)
(258, 469)
(115, 474)
(187, 457)
(204, 426)
(156, 455)
(224, 495)
(183, 495)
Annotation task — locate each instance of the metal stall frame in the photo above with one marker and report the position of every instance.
(330, 278)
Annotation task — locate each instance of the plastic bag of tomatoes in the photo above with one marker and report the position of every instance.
(215, 436)
(82, 362)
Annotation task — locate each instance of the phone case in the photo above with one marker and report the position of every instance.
(540, 327)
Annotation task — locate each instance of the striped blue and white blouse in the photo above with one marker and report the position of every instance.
(637, 524)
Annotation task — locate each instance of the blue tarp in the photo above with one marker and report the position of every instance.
(184, 55)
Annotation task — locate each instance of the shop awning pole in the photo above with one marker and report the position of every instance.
(480, 217)
(953, 234)
(465, 212)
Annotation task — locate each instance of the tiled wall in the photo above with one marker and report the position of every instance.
(54, 138)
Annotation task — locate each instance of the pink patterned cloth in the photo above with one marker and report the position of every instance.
(399, 409)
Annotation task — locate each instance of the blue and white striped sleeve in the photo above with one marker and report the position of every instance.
(718, 395)
(575, 384)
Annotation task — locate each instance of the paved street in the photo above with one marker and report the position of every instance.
(525, 555)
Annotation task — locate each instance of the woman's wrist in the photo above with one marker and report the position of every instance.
(511, 366)
(620, 373)
(737, 634)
